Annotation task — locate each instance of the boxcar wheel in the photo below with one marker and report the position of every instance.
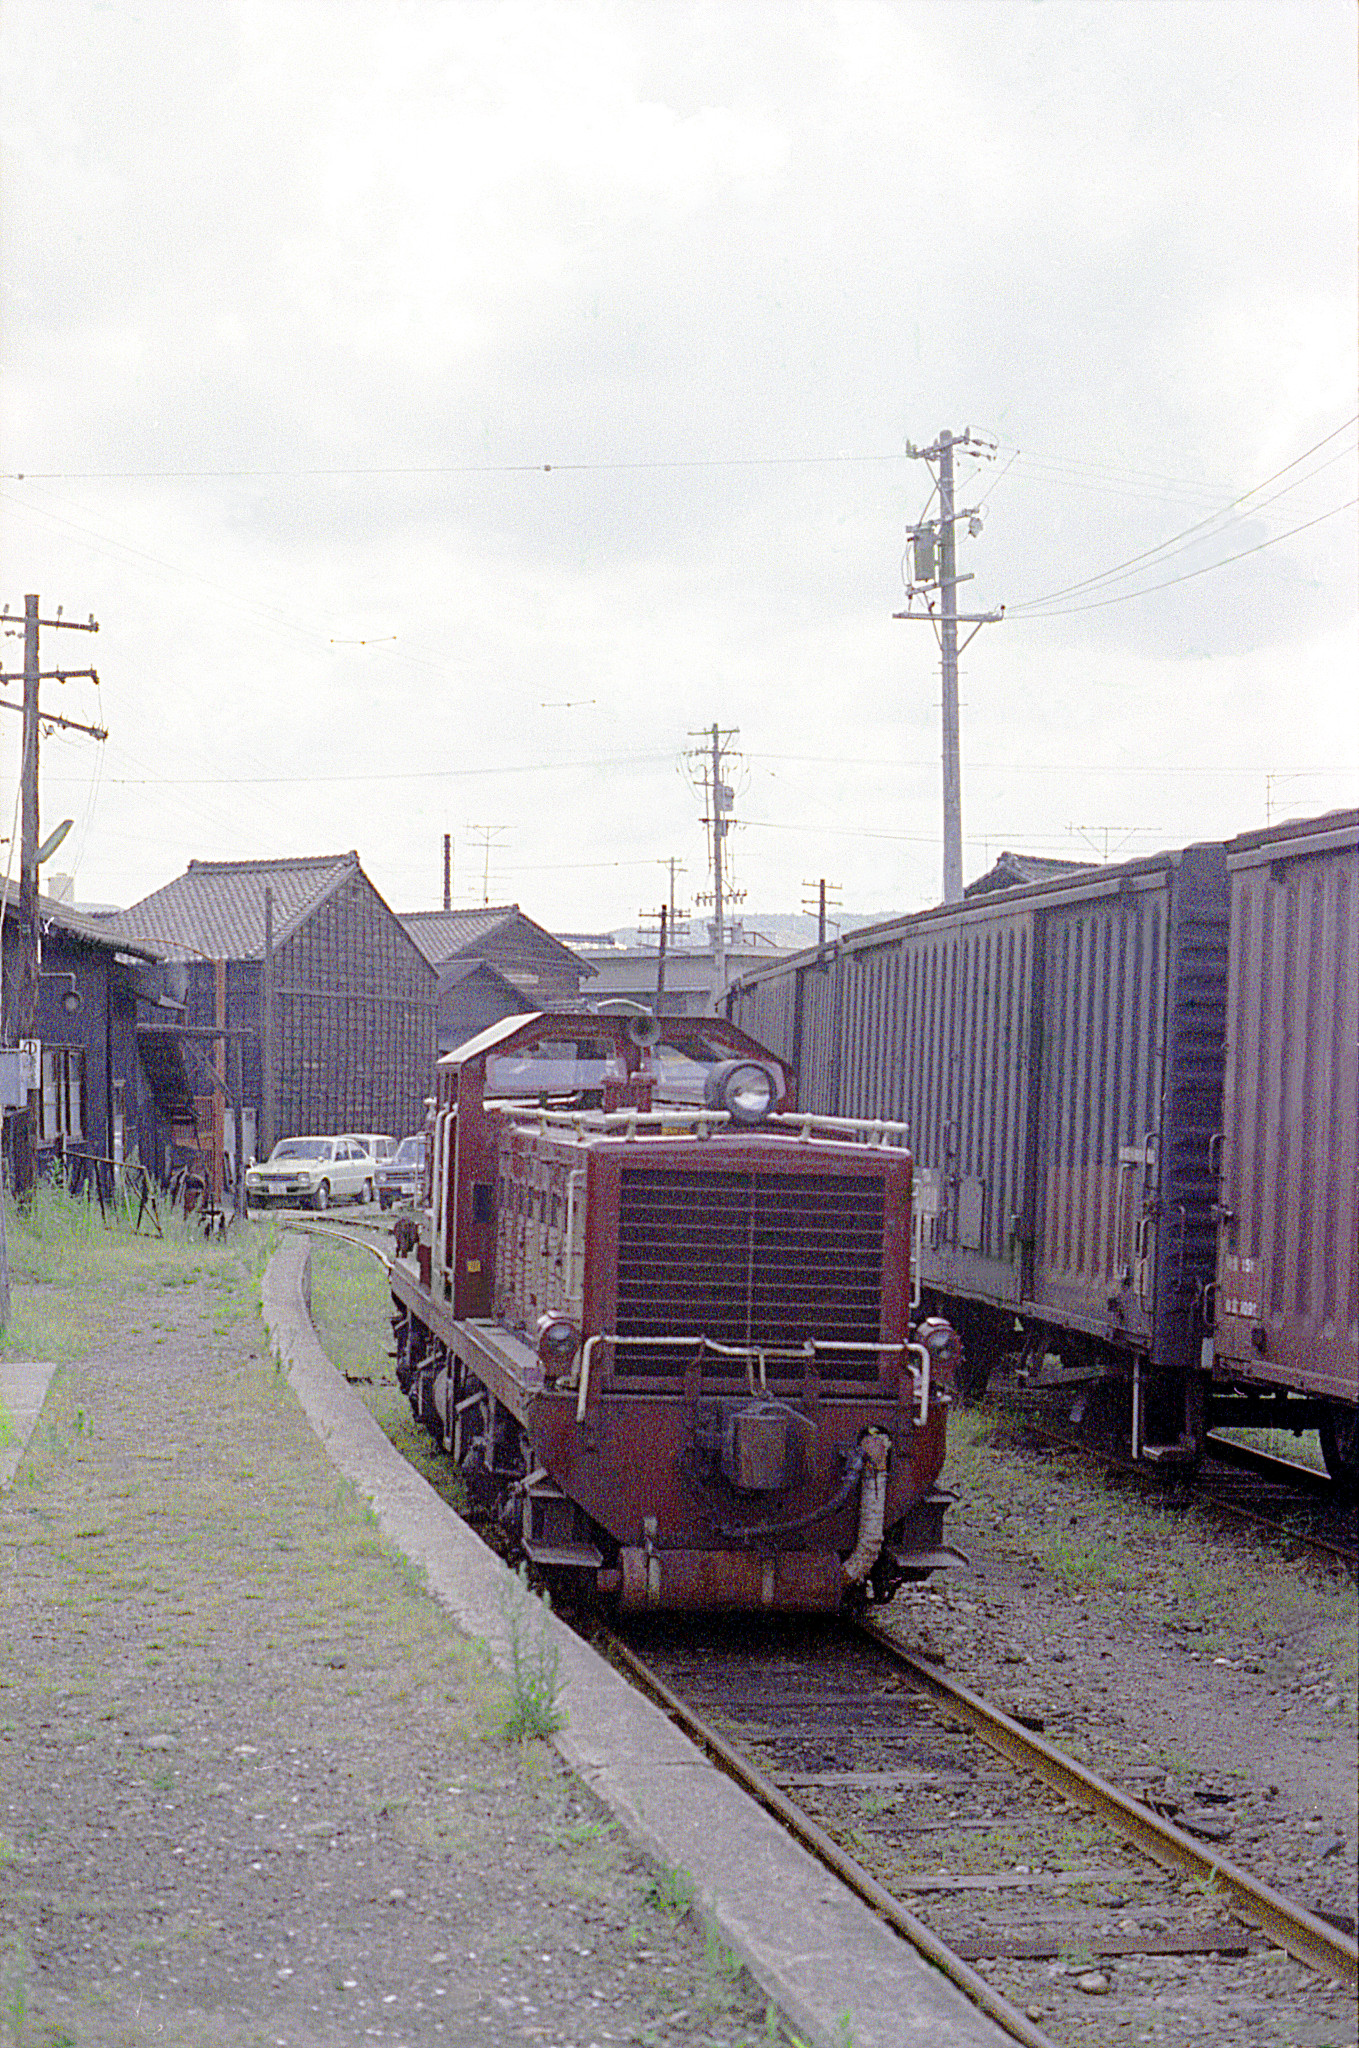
(321, 1199)
(1339, 1433)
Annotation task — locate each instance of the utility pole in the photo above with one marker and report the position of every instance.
(448, 871)
(721, 797)
(264, 1138)
(677, 917)
(929, 572)
(821, 914)
(24, 1007)
(660, 965)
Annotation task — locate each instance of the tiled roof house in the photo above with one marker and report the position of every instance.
(354, 995)
(493, 962)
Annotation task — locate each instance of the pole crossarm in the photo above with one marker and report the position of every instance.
(51, 718)
(959, 618)
(90, 625)
(51, 675)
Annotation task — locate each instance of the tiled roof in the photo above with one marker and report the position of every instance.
(440, 934)
(455, 972)
(95, 931)
(1015, 870)
(217, 907)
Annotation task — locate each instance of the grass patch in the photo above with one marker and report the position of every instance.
(73, 1271)
(351, 1306)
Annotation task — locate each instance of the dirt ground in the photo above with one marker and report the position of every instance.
(1209, 1670)
(251, 1789)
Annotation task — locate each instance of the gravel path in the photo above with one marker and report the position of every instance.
(250, 1791)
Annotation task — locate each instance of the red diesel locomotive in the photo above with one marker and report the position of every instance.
(662, 1321)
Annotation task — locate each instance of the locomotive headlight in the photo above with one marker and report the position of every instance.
(945, 1347)
(558, 1343)
(744, 1088)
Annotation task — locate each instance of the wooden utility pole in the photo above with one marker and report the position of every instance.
(264, 1137)
(660, 964)
(23, 1008)
(448, 871)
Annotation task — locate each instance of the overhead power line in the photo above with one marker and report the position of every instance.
(1187, 533)
(1125, 597)
(22, 476)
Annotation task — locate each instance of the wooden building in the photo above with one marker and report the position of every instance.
(493, 962)
(95, 1097)
(353, 996)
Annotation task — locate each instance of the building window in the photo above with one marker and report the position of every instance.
(63, 1093)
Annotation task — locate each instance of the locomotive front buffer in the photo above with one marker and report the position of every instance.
(662, 1320)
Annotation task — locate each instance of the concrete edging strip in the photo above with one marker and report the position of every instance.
(825, 1960)
(24, 1387)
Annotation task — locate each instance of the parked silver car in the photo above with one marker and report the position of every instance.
(312, 1173)
(401, 1177)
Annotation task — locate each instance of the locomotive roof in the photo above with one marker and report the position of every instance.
(602, 1024)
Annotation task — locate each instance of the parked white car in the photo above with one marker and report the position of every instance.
(376, 1144)
(312, 1173)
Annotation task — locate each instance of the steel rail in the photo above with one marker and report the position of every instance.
(1287, 1471)
(805, 1830)
(1202, 1497)
(340, 1236)
(1289, 1926)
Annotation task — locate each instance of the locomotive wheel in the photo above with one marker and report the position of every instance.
(1339, 1433)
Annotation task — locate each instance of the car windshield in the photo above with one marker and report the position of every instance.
(410, 1152)
(302, 1148)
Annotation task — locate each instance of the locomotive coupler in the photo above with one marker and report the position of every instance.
(756, 1446)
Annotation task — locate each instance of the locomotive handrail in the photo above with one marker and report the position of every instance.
(920, 1374)
(632, 1122)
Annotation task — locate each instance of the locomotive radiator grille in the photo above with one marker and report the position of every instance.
(750, 1259)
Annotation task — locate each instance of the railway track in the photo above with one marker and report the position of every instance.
(1294, 1502)
(1051, 1895)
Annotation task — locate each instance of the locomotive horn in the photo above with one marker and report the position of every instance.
(645, 1029)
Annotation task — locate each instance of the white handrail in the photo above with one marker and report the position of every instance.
(681, 1119)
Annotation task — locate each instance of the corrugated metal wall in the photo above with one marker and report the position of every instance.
(1028, 1041)
(1288, 1267)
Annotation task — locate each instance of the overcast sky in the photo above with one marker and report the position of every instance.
(447, 409)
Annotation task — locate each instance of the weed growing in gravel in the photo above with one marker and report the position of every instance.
(672, 1890)
(1114, 1541)
(533, 1680)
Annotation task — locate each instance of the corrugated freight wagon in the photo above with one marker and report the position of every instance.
(1056, 1051)
(1286, 1308)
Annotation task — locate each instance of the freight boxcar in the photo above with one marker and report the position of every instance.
(1059, 1054)
(663, 1320)
(1056, 1054)
(1284, 1309)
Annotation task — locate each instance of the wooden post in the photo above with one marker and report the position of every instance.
(25, 1125)
(237, 1067)
(219, 1064)
(265, 1136)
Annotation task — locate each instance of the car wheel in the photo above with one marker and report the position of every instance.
(321, 1199)
(367, 1194)
(385, 1200)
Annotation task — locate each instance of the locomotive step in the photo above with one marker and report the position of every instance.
(563, 1556)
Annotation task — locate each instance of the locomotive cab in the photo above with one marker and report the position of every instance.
(662, 1320)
